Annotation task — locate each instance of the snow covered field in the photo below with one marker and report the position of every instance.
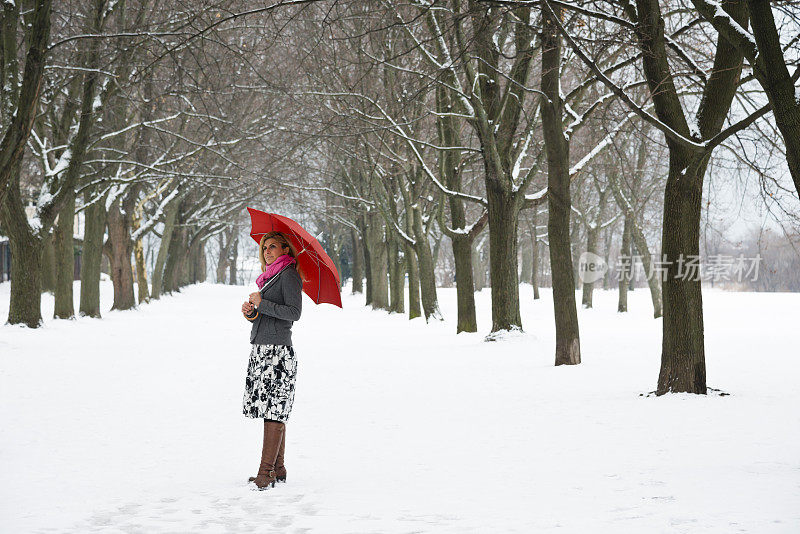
(133, 423)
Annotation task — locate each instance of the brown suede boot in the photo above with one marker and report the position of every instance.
(273, 435)
(280, 469)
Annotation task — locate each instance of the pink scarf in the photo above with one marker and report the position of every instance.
(274, 268)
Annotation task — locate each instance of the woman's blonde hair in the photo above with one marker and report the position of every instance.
(278, 236)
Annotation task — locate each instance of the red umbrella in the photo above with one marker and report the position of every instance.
(321, 281)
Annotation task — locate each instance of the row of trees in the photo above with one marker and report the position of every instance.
(387, 126)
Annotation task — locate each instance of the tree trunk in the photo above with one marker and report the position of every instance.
(161, 258)
(202, 266)
(588, 286)
(449, 165)
(187, 272)
(64, 249)
(336, 252)
(568, 348)
(638, 240)
(465, 287)
(379, 287)
(175, 256)
(119, 252)
(503, 218)
(414, 301)
(426, 264)
(526, 259)
(367, 265)
(683, 353)
(26, 296)
(234, 262)
(396, 278)
(683, 360)
(653, 282)
(535, 255)
(593, 235)
(478, 268)
(196, 266)
(358, 263)
(138, 254)
(427, 281)
(48, 264)
(608, 235)
(222, 259)
(25, 306)
(92, 255)
(626, 266)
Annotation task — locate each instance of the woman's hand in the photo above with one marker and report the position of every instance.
(247, 308)
(255, 298)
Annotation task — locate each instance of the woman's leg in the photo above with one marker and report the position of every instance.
(279, 468)
(273, 435)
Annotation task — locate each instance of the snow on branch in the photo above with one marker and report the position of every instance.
(398, 130)
(623, 96)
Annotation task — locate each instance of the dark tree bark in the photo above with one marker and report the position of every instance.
(526, 259)
(683, 366)
(358, 262)
(176, 254)
(226, 242)
(13, 214)
(193, 268)
(498, 115)
(592, 237)
(375, 244)
(135, 215)
(119, 249)
(503, 218)
(535, 255)
(568, 348)
(626, 266)
(222, 258)
(170, 218)
(24, 102)
(412, 267)
(478, 268)
(234, 262)
(638, 240)
(26, 255)
(426, 264)
(48, 264)
(367, 262)
(449, 167)
(65, 259)
(138, 255)
(92, 255)
(396, 277)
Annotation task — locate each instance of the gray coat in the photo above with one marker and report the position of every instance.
(281, 304)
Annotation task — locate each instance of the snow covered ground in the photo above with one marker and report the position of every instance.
(133, 423)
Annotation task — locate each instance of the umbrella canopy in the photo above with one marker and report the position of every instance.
(321, 279)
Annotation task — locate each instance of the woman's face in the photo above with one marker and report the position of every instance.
(272, 249)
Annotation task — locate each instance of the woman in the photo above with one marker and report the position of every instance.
(269, 386)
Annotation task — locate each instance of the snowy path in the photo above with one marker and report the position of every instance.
(133, 423)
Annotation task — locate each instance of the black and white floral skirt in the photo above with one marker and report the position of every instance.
(269, 386)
